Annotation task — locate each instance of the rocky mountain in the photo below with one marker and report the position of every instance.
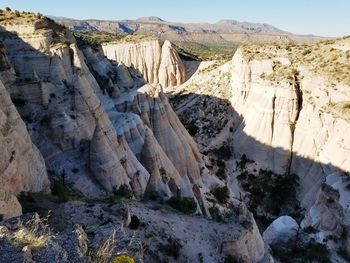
(223, 32)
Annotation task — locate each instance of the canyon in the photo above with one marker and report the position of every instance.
(107, 134)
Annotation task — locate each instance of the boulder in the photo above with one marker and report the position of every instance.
(282, 232)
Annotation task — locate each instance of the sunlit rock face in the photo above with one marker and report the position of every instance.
(97, 123)
(22, 167)
(156, 62)
(285, 126)
(292, 119)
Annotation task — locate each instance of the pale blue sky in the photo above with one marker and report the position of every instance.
(318, 17)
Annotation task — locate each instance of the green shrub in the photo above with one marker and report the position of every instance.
(220, 173)
(310, 230)
(123, 191)
(232, 259)
(310, 252)
(192, 128)
(243, 162)
(63, 191)
(45, 121)
(186, 205)
(306, 52)
(222, 194)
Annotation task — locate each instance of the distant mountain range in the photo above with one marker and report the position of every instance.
(224, 32)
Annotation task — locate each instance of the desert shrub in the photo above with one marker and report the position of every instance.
(123, 259)
(310, 230)
(311, 252)
(64, 193)
(224, 152)
(232, 259)
(123, 191)
(222, 194)
(192, 128)
(268, 187)
(45, 120)
(220, 173)
(134, 223)
(34, 234)
(172, 248)
(186, 205)
(104, 253)
(306, 52)
(17, 14)
(243, 161)
(8, 9)
(346, 106)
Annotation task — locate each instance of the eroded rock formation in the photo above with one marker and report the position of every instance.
(156, 62)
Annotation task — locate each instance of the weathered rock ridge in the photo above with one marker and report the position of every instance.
(157, 62)
(22, 167)
(97, 131)
(294, 134)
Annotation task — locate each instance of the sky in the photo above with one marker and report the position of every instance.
(318, 17)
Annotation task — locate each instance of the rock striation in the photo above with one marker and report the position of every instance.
(97, 124)
(22, 167)
(293, 105)
(156, 62)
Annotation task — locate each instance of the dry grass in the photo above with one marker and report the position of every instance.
(35, 233)
(339, 109)
(19, 18)
(105, 252)
(322, 58)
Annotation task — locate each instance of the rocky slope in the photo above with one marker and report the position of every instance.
(22, 167)
(288, 113)
(97, 133)
(293, 95)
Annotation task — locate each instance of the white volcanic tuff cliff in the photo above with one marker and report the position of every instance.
(22, 167)
(280, 118)
(156, 63)
(89, 131)
(175, 166)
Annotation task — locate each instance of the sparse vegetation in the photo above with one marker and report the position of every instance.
(34, 233)
(310, 252)
(222, 194)
(64, 192)
(45, 121)
(323, 58)
(205, 52)
(105, 252)
(232, 259)
(271, 193)
(186, 205)
(123, 191)
(310, 230)
(123, 259)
